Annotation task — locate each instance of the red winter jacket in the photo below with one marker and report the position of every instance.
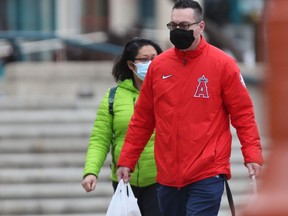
(190, 97)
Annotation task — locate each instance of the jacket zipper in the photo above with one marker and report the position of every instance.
(177, 141)
(177, 152)
(184, 59)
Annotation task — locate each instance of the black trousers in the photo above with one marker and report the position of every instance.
(147, 199)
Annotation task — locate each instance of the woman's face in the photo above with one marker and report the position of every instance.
(145, 54)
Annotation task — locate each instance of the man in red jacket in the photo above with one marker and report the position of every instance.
(190, 95)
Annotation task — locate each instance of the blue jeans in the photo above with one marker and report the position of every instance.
(201, 198)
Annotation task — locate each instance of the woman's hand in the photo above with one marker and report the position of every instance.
(89, 183)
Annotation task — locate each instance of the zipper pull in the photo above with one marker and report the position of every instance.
(185, 60)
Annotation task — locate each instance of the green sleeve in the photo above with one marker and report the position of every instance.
(100, 139)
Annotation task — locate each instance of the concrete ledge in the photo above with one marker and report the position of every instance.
(57, 80)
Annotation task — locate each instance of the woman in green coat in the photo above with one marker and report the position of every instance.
(111, 125)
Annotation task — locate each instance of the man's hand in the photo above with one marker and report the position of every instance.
(253, 169)
(89, 183)
(123, 173)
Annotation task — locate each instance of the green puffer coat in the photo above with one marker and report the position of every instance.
(109, 133)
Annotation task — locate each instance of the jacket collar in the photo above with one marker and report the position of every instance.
(128, 84)
(192, 53)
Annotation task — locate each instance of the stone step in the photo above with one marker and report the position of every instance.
(47, 130)
(74, 189)
(46, 144)
(240, 201)
(62, 204)
(47, 116)
(48, 160)
(73, 174)
(42, 160)
(54, 206)
(14, 103)
(52, 144)
(55, 190)
(47, 175)
(91, 204)
(41, 165)
(55, 159)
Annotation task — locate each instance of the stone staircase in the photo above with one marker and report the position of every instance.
(42, 153)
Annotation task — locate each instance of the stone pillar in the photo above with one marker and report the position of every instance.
(123, 15)
(69, 17)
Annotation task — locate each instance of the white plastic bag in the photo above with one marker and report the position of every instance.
(123, 202)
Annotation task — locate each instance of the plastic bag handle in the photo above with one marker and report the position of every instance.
(129, 190)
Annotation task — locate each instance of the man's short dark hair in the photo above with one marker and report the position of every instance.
(181, 4)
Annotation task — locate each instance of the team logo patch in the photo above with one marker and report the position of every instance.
(202, 89)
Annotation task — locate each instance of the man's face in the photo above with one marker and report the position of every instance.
(187, 15)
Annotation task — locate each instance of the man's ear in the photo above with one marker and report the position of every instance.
(202, 26)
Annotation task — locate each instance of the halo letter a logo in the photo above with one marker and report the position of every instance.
(202, 89)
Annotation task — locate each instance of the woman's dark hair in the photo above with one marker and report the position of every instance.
(182, 4)
(120, 70)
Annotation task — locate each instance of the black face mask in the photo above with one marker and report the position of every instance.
(182, 39)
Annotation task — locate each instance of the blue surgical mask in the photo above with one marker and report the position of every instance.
(142, 69)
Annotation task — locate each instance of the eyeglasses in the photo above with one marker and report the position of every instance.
(144, 60)
(183, 25)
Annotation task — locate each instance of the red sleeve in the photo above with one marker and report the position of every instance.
(141, 125)
(239, 105)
